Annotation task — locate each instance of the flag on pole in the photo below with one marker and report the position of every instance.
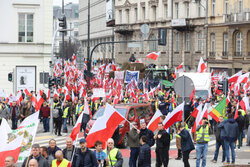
(198, 118)
(202, 66)
(153, 124)
(174, 116)
(76, 128)
(104, 126)
(235, 77)
(244, 103)
(219, 110)
(153, 55)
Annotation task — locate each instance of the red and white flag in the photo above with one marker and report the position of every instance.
(26, 92)
(235, 77)
(9, 147)
(244, 103)
(202, 66)
(243, 78)
(153, 124)
(236, 112)
(76, 128)
(56, 95)
(228, 98)
(180, 68)
(104, 126)
(139, 60)
(200, 115)
(153, 55)
(39, 101)
(174, 116)
(86, 109)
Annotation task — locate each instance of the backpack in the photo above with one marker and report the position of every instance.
(55, 113)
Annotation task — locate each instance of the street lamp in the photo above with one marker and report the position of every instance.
(205, 25)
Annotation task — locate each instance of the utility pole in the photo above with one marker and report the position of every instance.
(88, 47)
(206, 31)
(172, 35)
(63, 37)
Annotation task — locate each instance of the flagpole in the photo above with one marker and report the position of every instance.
(74, 148)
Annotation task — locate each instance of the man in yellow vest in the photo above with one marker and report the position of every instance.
(114, 155)
(60, 161)
(65, 116)
(202, 140)
(79, 108)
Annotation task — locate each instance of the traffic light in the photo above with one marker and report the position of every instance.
(51, 82)
(58, 81)
(63, 23)
(10, 77)
(162, 36)
(223, 85)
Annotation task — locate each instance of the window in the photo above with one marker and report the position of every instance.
(199, 41)
(25, 28)
(239, 43)
(76, 14)
(225, 42)
(154, 13)
(153, 44)
(176, 10)
(240, 6)
(120, 15)
(44, 77)
(75, 33)
(187, 10)
(166, 10)
(187, 42)
(143, 13)
(136, 14)
(177, 36)
(199, 9)
(75, 24)
(212, 42)
(226, 6)
(127, 12)
(213, 7)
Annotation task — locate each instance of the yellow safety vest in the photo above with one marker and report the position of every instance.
(65, 112)
(206, 135)
(64, 163)
(112, 156)
(125, 100)
(156, 106)
(77, 106)
(54, 104)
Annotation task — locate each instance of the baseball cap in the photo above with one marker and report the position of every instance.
(83, 140)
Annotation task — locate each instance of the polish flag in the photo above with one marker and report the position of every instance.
(236, 112)
(199, 117)
(104, 126)
(153, 124)
(73, 96)
(9, 148)
(139, 60)
(244, 103)
(26, 92)
(228, 98)
(39, 101)
(153, 55)
(56, 94)
(195, 112)
(235, 77)
(202, 66)
(19, 98)
(76, 128)
(192, 94)
(174, 116)
(86, 109)
(243, 78)
(48, 94)
(180, 66)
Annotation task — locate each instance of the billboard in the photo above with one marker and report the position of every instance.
(26, 78)
(110, 13)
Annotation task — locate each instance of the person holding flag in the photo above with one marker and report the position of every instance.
(114, 155)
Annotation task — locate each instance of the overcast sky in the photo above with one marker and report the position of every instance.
(59, 2)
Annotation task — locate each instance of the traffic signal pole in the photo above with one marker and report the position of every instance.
(63, 38)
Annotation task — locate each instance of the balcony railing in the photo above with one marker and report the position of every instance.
(224, 54)
(212, 54)
(238, 54)
(236, 17)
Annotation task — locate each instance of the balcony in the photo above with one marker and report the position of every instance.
(124, 29)
(237, 17)
(182, 24)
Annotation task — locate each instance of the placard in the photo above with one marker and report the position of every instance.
(26, 78)
(99, 92)
(131, 75)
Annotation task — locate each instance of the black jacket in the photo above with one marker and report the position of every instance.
(144, 159)
(65, 153)
(149, 134)
(217, 133)
(241, 123)
(186, 141)
(42, 162)
(164, 141)
(86, 159)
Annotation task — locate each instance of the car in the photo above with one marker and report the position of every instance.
(132, 112)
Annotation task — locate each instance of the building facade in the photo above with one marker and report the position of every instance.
(229, 35)
(99, 32)
(72, 15)
(25, 44)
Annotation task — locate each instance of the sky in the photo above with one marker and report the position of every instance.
(59, 2)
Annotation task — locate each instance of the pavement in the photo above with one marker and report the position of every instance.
(242, 155)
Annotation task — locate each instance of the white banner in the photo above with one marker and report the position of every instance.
(26, 78)
(119, 75)
(99, 92)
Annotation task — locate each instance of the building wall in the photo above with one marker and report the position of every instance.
(14, 53)
(98, 30)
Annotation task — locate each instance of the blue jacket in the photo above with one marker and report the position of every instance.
(186, 141)
(144, 159)
(229, 130)
(86, 159)
(149, 134)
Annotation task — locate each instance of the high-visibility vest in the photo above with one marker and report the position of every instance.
(112, 156)
(206, 135)
(125, 100)
(64, 163)
(77, 106)
(54, 104)
(156, 105)
(65, 112)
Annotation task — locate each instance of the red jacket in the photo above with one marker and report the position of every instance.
(45, 112)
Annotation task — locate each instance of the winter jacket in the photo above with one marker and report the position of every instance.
(45, 112)
(17, 112)
(178, 142)
(65, 151)
(241, 123)
(164, 141)
(144, 158)
(118, 156)
(186, 141)
(229, 130)
(133, 138)
(86, 159)
(27, 111)
(53, 152)
(149, 134)
(4, 112)
(85, 118)
(42, 162)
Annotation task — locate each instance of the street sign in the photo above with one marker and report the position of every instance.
(184, 86)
